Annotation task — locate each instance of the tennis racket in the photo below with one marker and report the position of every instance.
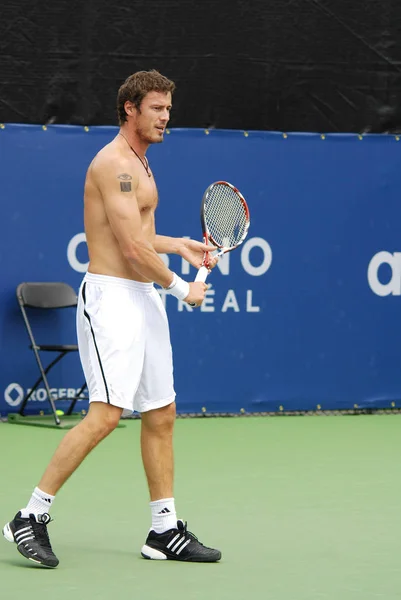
(224, 219)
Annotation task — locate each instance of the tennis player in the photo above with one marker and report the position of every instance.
(123, 333)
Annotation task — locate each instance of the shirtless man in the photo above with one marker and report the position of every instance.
(122, 327)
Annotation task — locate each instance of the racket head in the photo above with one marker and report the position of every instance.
(225, 217)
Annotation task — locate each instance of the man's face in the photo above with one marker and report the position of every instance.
(151, 121)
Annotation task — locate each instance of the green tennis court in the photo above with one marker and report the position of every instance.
(301, 507)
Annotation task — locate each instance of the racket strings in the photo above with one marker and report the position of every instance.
(225, 216)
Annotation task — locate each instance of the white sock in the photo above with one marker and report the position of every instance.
(39, 503)
(164, 516)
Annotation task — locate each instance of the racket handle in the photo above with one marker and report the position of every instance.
(201, 276)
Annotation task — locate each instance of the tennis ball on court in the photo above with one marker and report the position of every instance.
(59, 413)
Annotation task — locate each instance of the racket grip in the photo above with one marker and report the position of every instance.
(201, 276)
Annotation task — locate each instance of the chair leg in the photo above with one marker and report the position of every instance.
(44, 378)
(42, 371)
(37, 382)
(69, 411)
(27, 396)
(56, 419)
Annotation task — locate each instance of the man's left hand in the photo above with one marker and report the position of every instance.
(194, 251)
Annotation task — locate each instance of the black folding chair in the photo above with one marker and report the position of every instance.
(47, 296)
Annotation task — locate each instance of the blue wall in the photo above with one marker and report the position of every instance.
(294, 319)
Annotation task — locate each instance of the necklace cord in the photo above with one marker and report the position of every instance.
(145, 163)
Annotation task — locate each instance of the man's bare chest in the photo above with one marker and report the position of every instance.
(147, 195)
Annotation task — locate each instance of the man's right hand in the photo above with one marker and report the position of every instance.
(197, 291)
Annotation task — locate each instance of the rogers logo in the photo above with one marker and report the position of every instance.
(13, 394)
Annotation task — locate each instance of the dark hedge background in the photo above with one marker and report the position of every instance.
(290, 65)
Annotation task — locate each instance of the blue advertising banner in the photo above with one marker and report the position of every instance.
(305, 314)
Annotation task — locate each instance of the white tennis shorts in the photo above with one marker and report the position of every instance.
(124, 343)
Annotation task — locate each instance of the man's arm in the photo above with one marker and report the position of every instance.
(191, 250)
(117, 184)
(167, 245)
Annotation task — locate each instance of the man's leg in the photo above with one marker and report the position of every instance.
(168, 538)
(158, 461)
(157, 450)
(101, 420)
(28, 529)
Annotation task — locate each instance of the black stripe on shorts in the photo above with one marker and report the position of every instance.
(94, 341)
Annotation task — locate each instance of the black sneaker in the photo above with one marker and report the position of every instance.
(178, 544)
(32, 538)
